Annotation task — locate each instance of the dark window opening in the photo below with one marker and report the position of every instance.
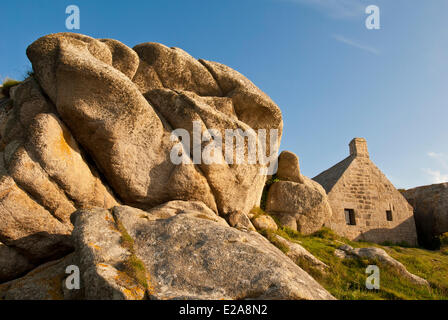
(350, 217)
(389, 215)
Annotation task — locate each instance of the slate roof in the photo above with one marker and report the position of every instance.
(330, 177)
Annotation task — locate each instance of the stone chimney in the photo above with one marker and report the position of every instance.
(358, 148)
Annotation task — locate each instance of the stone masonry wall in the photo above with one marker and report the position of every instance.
(365, 189)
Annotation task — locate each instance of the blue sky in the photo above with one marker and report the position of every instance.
(332, 78)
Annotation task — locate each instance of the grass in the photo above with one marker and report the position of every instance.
(133, 266)
(346, 278)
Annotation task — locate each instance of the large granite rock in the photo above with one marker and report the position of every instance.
(299, 203)
(289, 167)
(300, 206)
(13, 263)
(181, 250)
(44, 178)
(140, 96)
(46, 282)
(430, 205)
(98, 125)
(264, 222)
(94, 124)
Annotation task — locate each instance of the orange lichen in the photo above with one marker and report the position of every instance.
(129, 286)
(55, 287)
(65, 143)
(91, 244)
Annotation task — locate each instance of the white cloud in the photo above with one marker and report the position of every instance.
(338, 9)
(438, 176)
(441, 158)
(355, 44)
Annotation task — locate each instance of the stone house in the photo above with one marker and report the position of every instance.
(365, 204)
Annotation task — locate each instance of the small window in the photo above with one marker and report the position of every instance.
(350, 217)
(389, 215)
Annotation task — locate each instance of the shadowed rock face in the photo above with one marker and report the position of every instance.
(93, 128)
(430, 205)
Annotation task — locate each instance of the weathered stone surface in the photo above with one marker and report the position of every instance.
(299, 254)
(124, 59)
(236, 187)
(13, 264)
(302, 207)
(103, 257)
(251, 105)
(357, 184)
(380, 255)
(97, 112)
(26, 225)
(240, 221)
(51, 168)
(46, 282)
(185, 256)
(172, 68)
(430, 205)
(27, 101)
(264, 222)
(172, 208)
(132, 111)
(43, 179)
(114, 122)
(289, 168)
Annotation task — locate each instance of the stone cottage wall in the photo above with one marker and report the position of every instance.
(365, 189)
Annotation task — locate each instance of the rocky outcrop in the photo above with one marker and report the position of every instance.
(300, 255)
(98, 155)
(240, 221)
(430, 205)
(13, 264)
(299, 206)
(264, 222)
(94, 127)
(44, 178)
(289, 168)
(378, 254)
(194, 254)
(298, 202)
(179, 250)
(46, 282)
(140, 96)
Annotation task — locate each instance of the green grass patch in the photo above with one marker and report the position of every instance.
(133, 267)
(346, 278)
